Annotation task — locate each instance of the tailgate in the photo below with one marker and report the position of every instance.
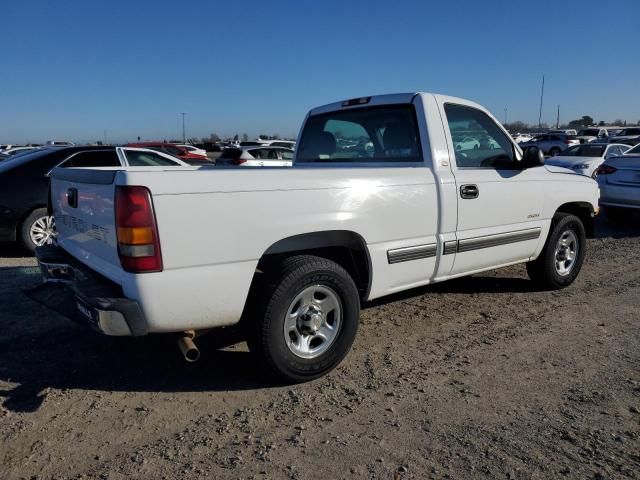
(82, 201)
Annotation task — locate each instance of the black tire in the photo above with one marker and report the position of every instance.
(554, 151)
(543, 270)
(25, 231)
(273, 297)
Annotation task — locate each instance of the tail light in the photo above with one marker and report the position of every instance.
(138, 241)
(567, 141)
(606, 170)
(237, 161)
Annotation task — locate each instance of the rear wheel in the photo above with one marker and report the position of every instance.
(38, 229)
(308, 318)
(561, 259)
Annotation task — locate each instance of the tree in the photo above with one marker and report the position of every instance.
(585, 121)
(618, 122)
(516, 126)
(601, 123)
(214, 138)
(235, 137)
(245, 137)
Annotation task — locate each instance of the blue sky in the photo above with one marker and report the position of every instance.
(73, 69)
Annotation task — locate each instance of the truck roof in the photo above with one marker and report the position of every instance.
(387, 99)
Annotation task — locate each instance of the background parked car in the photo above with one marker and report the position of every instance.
(619, 182)
(521, 137)
(586, 158)
(256, 157)
(175, 150)
(16, 150)
(588, 135)
(551, 143)
(60, 143)
(465, 143)
(193, 149)
(629, 136)
(24, 185)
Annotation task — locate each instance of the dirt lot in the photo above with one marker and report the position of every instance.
(482, 377)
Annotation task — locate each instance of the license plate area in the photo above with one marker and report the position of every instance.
(86, 312)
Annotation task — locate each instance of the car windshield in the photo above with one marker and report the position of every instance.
(635, 149)
(584, 151)
(590, 132)
(629, 131)
(17, 160)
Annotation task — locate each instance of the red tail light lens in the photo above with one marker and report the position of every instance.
(606, 170)
(237, 161)
(138, 241)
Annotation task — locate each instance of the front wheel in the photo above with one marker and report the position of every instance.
(309, 318)
(561, 259)
(38, 229)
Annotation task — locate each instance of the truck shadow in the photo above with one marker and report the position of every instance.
(77, 359)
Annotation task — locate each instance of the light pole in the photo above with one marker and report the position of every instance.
(184, 137)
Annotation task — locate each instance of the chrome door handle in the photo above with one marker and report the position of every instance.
(469, 191)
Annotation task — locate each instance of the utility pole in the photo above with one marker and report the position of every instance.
(184, 137)
(558, 118)
(540, 112)
(104, 137)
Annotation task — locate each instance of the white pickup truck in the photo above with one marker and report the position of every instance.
(379, 200)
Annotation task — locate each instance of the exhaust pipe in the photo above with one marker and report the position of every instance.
(189, 350)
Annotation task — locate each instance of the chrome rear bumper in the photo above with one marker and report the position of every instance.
(100, 303)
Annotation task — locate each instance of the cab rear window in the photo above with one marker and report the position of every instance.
(370, 134)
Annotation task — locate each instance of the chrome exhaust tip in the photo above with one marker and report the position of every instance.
(189, 350)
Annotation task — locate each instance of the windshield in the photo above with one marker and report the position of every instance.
(369, 134)
(17, 160)
(629, 131)
(584, 151)
(589, 132)
(635, 149)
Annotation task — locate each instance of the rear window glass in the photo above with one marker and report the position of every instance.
(93, 159)
(147, 159)
(373, 134)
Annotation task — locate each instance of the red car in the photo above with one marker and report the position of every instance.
(180, 152)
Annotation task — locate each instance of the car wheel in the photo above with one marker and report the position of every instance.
(561, 259)
(38, 229)
(309, 318)
(554, 151)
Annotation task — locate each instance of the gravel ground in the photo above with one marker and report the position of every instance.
(482, 377)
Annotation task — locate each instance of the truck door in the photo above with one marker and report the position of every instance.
(499, 204)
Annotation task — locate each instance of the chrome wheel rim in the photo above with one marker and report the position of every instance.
(566, 252)
(42, 231)
(312, 321)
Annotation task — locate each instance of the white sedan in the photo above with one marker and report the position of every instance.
(256, 157)
(586, 158)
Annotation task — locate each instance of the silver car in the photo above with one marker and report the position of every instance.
(619, 182)
(552, 144)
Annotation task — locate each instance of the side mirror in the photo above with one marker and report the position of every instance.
(532, 157)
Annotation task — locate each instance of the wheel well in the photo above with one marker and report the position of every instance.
(584, 211)
(346, 248)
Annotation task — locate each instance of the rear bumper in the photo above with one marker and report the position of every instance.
(100, 303)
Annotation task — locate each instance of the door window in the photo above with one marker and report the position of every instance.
(477, 139)
(287, 154)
